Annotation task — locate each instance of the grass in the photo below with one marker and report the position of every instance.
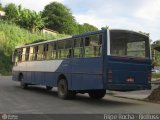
(12, 35)
(155, 75)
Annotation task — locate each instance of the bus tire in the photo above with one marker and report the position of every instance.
(49, 88)
(97, 94)
(63, 91)
(22, 83)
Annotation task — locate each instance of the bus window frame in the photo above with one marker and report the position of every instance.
(68, 48)
(27, 53)
(90, 46)
(32, 56)
(147, 44)
(78, 47)
(61, 50)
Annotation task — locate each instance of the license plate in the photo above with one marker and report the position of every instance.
(130, 80)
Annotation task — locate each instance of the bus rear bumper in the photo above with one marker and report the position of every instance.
(127, 87)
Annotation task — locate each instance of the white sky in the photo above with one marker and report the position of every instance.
(139, 15)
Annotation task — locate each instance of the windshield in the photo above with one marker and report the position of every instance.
(128, 43)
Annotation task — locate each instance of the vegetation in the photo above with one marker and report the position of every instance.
(1, 7)
(21, 26)
(60, 18)
(25, 18)
(156, 52)
(155, 75)
(55, 16)
(155, 95)
(85, 28)
(12, 35)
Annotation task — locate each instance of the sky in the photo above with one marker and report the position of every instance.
(138, 15)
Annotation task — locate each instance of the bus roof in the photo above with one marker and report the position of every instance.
(75, 36)
(138, 32)
(48, 41)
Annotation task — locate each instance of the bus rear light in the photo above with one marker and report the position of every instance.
(130, 80)
(110, 75)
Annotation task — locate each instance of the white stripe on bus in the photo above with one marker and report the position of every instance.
(41, 66)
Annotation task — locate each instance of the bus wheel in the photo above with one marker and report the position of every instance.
(22, 83)
(63, 91)
(97, 94)
(49, 88)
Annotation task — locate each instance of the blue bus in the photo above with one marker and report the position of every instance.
(93, 62)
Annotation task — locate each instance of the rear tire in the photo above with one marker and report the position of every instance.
(63, 91)
(22, 83)
(97, 94)
(49, 88)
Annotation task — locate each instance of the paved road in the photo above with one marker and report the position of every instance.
(37, 100)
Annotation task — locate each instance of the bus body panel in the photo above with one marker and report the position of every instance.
(87, 73)
(43, 72)
(128, 73)
(80, 73)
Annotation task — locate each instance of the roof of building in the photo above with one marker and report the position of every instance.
(50, 30)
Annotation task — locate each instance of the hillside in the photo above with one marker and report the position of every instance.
(12, 35)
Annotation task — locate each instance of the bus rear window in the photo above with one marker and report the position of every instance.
(128, 43)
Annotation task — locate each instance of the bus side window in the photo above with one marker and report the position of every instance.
(78, 47)
(31, 53)
(23, 54)
(54, 50)
(93, 45)
(15, 57)
(45, 50)
(49, 51)
(68, 48)
(100, 40)
(87, 47)
(20, 51)
(27, 53)
(40, 52)
(60, 50)
(36, 48)
(100, 44)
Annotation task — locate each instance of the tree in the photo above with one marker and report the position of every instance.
(156, 52)
(25, 18)
(30, 20)
(82, 28)
(103, 28)
(59, 18)
(1, 7)
(87, 27)
(11, 12)
(37, 22)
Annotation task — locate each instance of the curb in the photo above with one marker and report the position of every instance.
(143, 100)
(128, 97)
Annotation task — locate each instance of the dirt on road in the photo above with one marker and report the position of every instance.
(155, 95)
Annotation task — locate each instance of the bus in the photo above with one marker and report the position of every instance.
(93, 62)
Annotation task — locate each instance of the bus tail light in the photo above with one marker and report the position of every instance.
(109, 75)
(130, 80)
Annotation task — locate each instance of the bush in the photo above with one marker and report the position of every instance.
(155, 75)
(10, 36)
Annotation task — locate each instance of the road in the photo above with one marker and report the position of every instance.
(37, 100)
